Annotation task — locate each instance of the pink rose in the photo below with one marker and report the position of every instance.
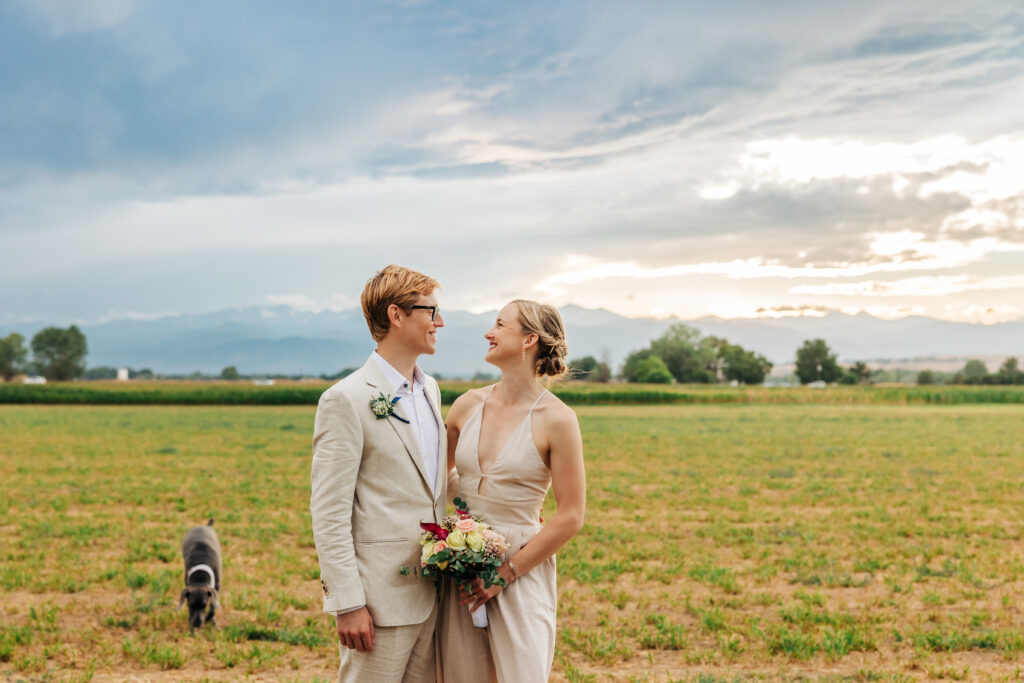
(439, 546)
(465, 525)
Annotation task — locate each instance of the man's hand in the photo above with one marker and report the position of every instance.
(355, 630)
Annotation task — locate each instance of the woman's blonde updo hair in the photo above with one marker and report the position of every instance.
(546, 322)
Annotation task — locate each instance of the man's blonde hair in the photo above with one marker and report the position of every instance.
(392, 285)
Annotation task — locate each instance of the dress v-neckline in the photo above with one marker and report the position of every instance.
(511, 437)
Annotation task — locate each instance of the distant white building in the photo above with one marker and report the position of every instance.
(817, 384)
(34, 380)
(263, 382)
(122, 374)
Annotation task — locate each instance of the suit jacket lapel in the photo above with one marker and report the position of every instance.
(442, 451)
(379, 384)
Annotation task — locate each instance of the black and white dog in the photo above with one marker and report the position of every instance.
(201, 551)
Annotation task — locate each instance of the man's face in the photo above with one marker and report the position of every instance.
(418, 330)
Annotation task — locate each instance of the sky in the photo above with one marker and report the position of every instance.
(737, 159)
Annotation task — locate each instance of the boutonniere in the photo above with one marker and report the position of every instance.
(384, 406)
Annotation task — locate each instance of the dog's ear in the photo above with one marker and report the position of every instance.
(181, 600)
(216, 598)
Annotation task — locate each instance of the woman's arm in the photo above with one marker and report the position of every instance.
(569, 484)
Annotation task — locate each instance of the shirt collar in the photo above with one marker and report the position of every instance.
(395, 378)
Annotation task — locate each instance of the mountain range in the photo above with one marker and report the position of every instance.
(284, 340)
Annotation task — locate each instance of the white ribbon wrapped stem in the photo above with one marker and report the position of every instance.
(480, 616)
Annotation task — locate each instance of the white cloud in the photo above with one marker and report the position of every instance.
(136, 315)
(982, 171)
(982, 313)
(64, 17)
(944, 285)
(299, 302)
(907, 252)
(773, 312)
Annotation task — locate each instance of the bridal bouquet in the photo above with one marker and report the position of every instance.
(463, 547)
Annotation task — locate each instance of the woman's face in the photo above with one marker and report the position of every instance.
(506, 339)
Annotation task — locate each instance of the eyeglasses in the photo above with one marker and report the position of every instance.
(433, 310)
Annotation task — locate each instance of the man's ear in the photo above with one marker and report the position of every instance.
(395, 315)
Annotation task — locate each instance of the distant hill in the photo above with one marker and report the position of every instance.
(283, 340)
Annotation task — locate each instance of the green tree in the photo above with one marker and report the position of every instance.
(341, 374)
(652, 370)
(230, 372)
(686, 355)
(926, 377)
(59, 354)
(12, 355)
(815, 361)
(862, 372)
(1010, 372)
(589, 369)
(581, 368)
(632, 364)
(973, 372)
(745, 367)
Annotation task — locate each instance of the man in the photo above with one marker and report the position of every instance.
(379, 469)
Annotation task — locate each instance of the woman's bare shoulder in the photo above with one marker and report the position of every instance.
(465, 403)
(557, 414)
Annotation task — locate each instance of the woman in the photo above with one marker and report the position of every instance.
(509, 443)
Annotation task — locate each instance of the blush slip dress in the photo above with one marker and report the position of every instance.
(519, 644)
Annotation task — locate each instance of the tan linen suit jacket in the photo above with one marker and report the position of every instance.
(369, 494)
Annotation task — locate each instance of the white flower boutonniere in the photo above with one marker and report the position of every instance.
(384, 406)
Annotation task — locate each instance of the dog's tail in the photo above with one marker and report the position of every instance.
(210, 523)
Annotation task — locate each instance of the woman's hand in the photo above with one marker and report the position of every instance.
(477, 594)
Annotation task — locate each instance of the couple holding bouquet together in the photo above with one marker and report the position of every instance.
(384, 462)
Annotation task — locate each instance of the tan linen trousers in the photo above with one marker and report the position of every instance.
(401, 654)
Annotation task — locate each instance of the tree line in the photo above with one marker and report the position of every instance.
(684, 356)
(57, 354)
(681, 355)
(976, 372)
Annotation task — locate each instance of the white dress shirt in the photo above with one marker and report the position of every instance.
(414, 407)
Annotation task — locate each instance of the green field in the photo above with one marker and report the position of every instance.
(722, 542)
(177, 392)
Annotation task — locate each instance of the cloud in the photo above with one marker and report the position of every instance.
(942, 285)
(982, 313)
(900, 251)
(302, 302)
(671, 147)
(136, 315)
(67, 17)
(299, 302)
